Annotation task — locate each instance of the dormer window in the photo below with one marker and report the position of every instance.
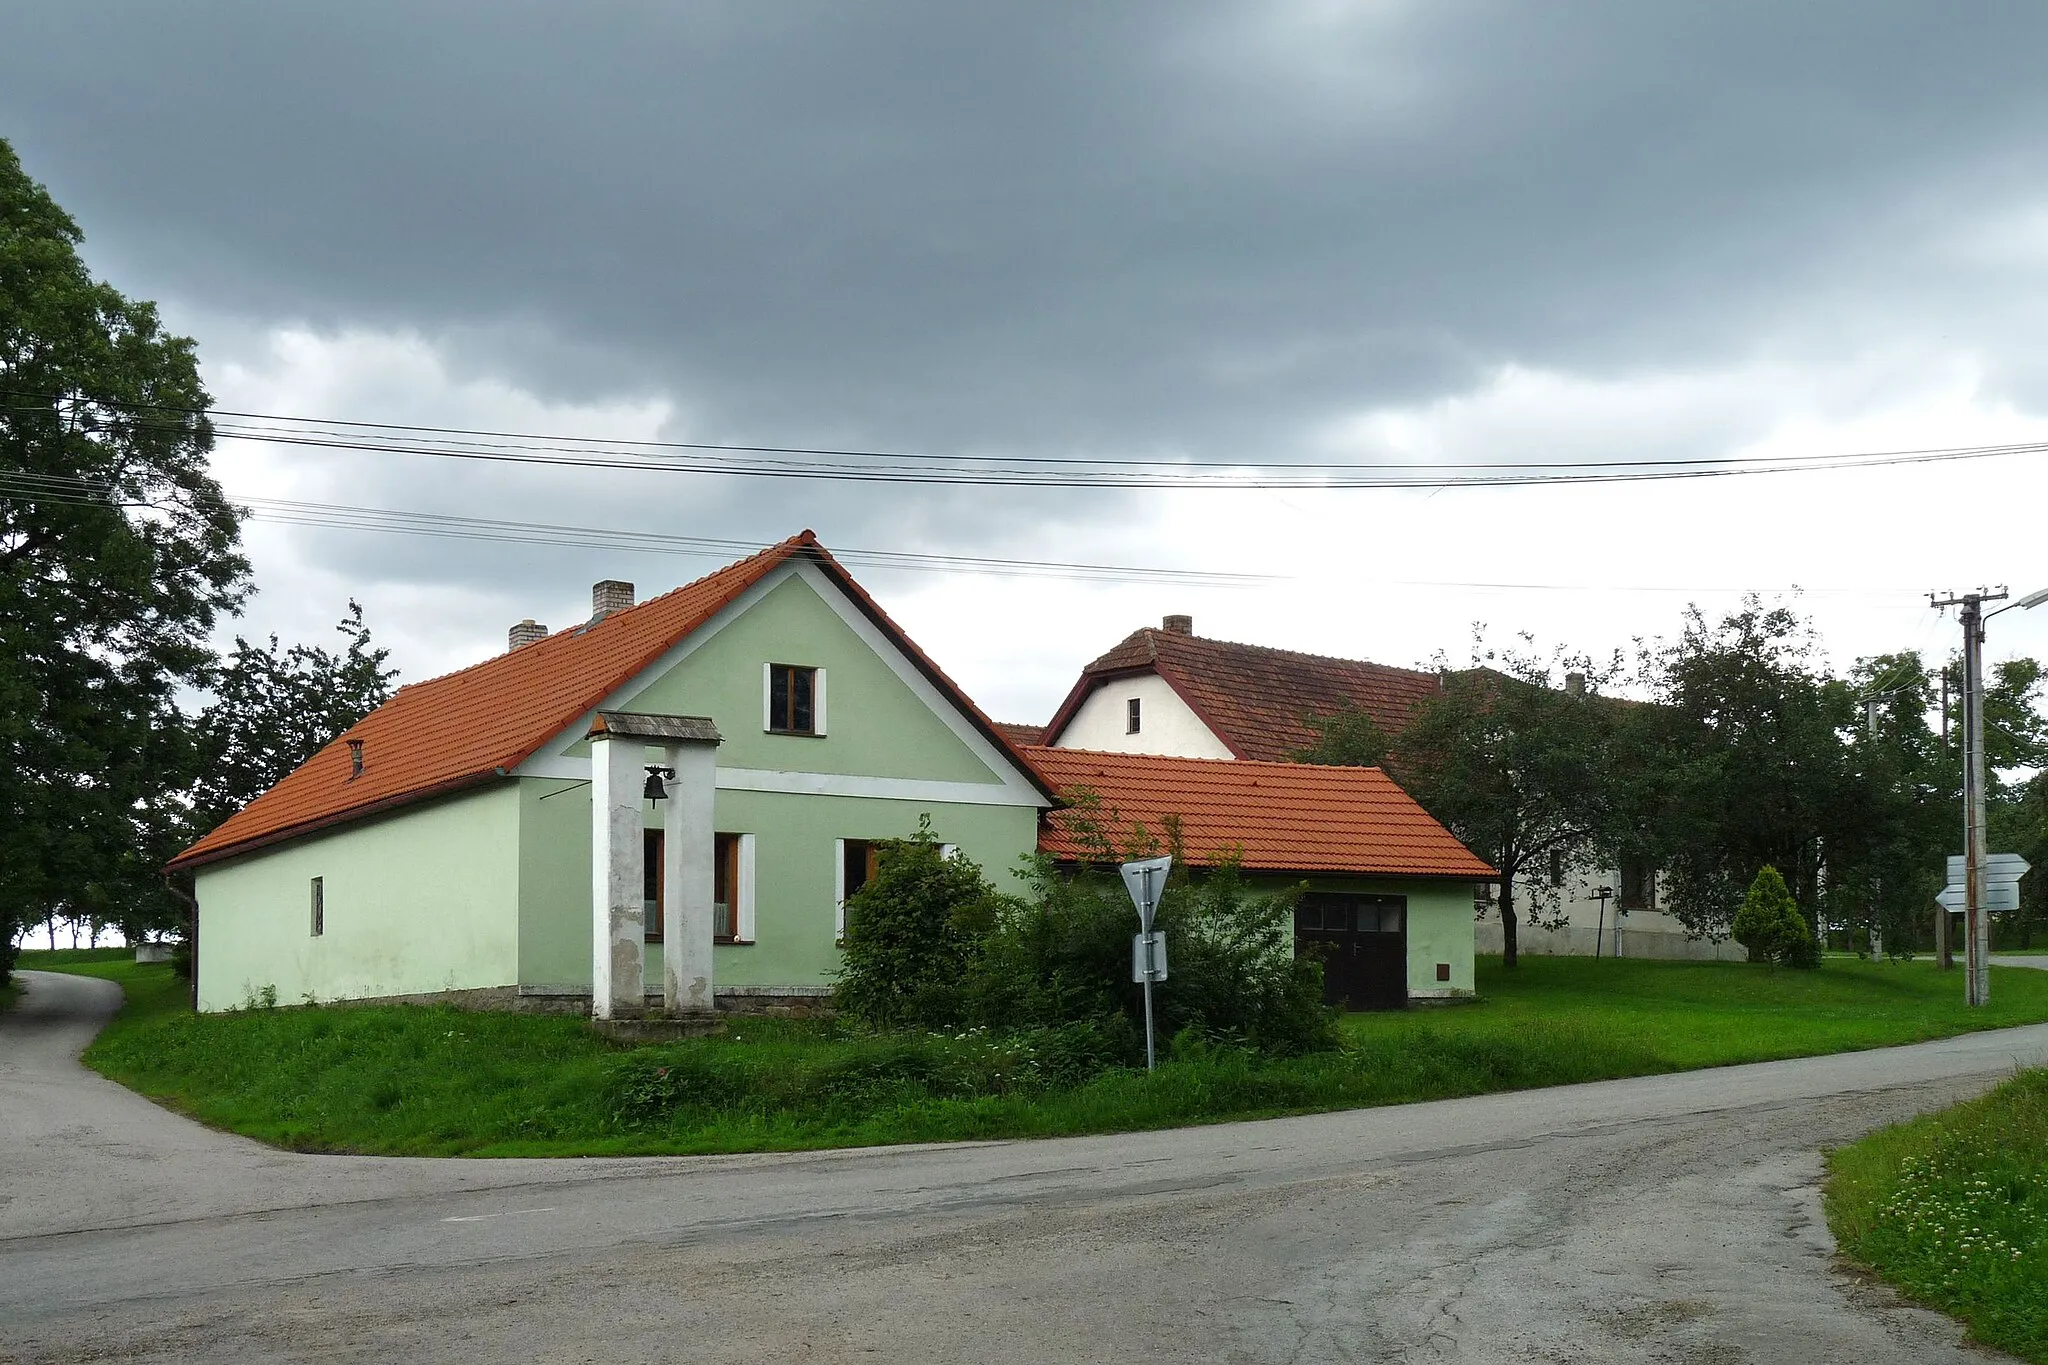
(793, 700)
(1131, 716)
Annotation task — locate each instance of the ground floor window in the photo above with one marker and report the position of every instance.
(858, 861)
(725, 889)
(731, 920)
(1638, 886)
(653, 881)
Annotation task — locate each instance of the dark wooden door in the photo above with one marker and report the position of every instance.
(1362, 942)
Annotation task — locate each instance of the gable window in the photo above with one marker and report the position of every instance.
(319, 906)
(793, 699)
(1131, 716)
(1638, 886)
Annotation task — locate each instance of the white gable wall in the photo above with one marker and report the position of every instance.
(1167, 725)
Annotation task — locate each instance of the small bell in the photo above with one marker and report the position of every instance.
(654, 790)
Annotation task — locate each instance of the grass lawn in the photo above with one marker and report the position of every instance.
(431, 1080)
(1953, 1209)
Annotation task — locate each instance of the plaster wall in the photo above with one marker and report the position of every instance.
(795, 847)
(881, 731)
(1167, 725)
(1439, 927)
(1587, 924)
(423, 900)
(1637, 940)
(876, 725)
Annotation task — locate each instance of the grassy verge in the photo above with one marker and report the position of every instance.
(1952, 1208)
(419, 1080)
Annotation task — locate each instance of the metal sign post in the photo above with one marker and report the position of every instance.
(1144, 880)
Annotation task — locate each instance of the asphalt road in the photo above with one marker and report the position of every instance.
(1661, 1219)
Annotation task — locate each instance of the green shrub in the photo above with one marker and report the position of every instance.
(1063, 955)
(1770, 927)
(912, 935)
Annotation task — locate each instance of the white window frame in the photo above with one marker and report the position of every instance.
(768, 698)
(743, 918)
(1134, 715)
(839, 890)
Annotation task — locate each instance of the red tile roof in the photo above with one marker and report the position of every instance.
(477, 724)
(1257, 700)
(1021, 734)
(1283, 817)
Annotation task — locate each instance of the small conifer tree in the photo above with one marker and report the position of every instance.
(1770, 926)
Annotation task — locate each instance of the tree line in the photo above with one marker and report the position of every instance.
(1732, 748)
(124, 733)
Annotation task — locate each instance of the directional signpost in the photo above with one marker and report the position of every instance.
(1998, 890)
(1145, 879)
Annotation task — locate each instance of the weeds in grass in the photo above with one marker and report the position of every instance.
(1953, 1209)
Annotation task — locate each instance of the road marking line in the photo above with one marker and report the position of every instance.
(508, 1213)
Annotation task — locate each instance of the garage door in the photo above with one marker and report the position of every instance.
(1362, 942)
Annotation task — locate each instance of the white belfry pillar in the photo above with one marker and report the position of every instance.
(689, 843)
(618, 931)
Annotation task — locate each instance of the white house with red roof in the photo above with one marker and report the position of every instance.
(1168, 691)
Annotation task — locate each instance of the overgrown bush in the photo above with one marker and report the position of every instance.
(1064, 954)
(1770, 927)
(930, 944)
(913, 934)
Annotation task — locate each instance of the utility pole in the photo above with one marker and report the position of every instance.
(1976, 924)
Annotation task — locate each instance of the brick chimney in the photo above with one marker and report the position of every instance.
(1575, 684)
(609, 596)
(1177, 625)
(525, 633)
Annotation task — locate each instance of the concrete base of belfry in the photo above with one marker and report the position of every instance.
(660, 1028)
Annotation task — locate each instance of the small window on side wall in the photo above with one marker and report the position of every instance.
(1132, 716)
(794, 700)
(319, 906)
(1638, 886)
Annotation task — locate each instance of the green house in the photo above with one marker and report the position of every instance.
(667, 804)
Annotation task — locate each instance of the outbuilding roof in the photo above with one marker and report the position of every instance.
(1281, 817)
(479, 723)
(1255, 699)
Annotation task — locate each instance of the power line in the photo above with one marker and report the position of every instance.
(77, 491)
(901, 467)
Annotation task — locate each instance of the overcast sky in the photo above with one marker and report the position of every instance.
(1290, 230)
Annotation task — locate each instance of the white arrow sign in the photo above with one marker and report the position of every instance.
(1997, 896)
(1145, 879)
(1998, 867)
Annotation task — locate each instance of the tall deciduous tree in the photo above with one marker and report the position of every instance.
(274, 706)
(1742, 762)
(117, 553)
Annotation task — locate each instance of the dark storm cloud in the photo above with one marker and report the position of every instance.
(1169, 226)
